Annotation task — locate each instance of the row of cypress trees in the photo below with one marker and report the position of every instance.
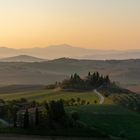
(55, 114)
(91, 81)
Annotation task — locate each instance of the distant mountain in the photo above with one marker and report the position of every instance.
(51, 52)
(6, 52)
(116, 55)
(22, 58)
(64, 50)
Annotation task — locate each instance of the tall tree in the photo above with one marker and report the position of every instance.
(36, 116)
(26, 119)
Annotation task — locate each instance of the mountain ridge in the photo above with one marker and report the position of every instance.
(65, 50)
(22, 58)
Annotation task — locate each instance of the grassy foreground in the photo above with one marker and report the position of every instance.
(48, 95)
(112, 119)
(109, 118)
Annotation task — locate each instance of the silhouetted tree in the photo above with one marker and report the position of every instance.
(92, 81)
(36, 117)
(14, 112)
(78, 100)
(89, 74)
(83, 102)
(26, 119)
(95, 101)
(75, 115)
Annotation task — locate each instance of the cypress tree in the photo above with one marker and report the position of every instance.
(89, 74)
(15, 119)
(71, 77)
(26, 119)
(14, 112)
(36, 117)
(107, 80)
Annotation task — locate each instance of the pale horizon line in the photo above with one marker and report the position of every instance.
(72, 46)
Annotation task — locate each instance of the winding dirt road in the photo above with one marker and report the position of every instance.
(102, 99)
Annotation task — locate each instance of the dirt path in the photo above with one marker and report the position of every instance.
(102, 99)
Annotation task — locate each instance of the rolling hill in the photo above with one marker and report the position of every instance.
(112, 119)
(124, 72)
(22, 58)
(116, 55)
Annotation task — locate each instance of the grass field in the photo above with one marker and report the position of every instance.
(42, 95)
(109, 118)
(112, 119)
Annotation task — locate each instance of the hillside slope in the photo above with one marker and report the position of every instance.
(22, 58)
(126, 72)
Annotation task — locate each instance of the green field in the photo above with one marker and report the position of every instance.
(112, 119)
(42, 95)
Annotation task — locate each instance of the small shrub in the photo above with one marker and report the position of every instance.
(75, 116)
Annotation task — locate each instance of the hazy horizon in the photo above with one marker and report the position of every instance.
(64, 44)
(95, 24)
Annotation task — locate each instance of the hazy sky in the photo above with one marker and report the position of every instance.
(102, 24)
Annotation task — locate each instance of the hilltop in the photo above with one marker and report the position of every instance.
(22, 58)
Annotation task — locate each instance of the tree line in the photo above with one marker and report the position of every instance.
(90, 82)
(131, 100)
(53, 116)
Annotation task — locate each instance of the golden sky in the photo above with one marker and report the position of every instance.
(97, 24)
